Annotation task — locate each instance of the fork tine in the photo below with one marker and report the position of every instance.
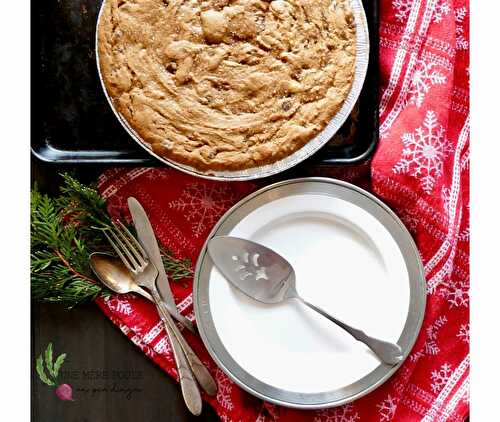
(131, 248)
(134, 240)
(118, 251)
(118, 239)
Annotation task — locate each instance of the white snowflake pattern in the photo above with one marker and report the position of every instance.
(344, 413)
(425, 77)
(456, 293)
(203, 204)
(145, 349)
(424, 152)
(441, 10)
(410, 219)
(464, 333)
(431, 347)
(403, 9)
(224, 389)
(464, 235)
(460, 41)
(135, 329)
(440, 377)
(387, 408)
(163, 346)
(119, 305)
(157, 174)
(465, 161)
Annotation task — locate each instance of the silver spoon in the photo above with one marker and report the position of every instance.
(266, 276)
(113, 274)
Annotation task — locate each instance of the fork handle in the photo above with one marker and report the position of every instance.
(190, 391)
(199, 370)
(181, 318)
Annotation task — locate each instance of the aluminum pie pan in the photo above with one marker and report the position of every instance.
(361, 66)
(337, 189)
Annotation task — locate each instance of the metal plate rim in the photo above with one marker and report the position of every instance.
(361, 67)
(415, 314)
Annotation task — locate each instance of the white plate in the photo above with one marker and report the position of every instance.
(352, 257)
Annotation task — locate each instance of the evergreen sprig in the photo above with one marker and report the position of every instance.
(64, 230)
(177, 269)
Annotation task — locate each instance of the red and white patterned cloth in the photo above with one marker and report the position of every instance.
(421, 170)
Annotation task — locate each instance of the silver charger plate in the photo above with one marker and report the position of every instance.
(373, 278)
(362, 56)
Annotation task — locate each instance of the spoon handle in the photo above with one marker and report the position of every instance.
(181, 318)
(389, 353)
(140, 291)
(189, 388)
(199, 370)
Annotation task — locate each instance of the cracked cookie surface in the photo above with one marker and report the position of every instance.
(227, 85)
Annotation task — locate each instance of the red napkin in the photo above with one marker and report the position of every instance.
(421, 170)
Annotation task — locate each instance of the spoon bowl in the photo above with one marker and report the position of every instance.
(114, 275)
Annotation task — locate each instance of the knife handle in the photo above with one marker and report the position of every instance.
(181, 318)
(189, 388)
(200, 371)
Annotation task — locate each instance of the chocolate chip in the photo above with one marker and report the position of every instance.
(171, 67)
(286, 105)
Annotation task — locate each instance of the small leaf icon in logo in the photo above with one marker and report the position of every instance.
(46, 360)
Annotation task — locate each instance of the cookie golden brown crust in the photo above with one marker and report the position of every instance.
(227, 85)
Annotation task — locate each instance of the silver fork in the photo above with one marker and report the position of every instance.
(199, 370)
(136, 260)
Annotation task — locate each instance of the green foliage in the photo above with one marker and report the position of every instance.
(58, 363)
(41, 372)
(52, 367)
(48, 359)
(177, 269)
(64, 231)
(61, 240)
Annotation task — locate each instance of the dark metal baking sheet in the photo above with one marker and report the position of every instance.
(71, 121)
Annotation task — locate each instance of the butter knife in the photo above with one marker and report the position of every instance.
(148, 240)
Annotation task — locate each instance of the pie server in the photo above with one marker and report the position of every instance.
(267, 277)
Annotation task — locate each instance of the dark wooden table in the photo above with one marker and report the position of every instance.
(112, 379)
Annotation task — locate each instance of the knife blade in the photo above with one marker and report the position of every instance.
(148, 240)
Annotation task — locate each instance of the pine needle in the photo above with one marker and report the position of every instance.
(64, 230)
